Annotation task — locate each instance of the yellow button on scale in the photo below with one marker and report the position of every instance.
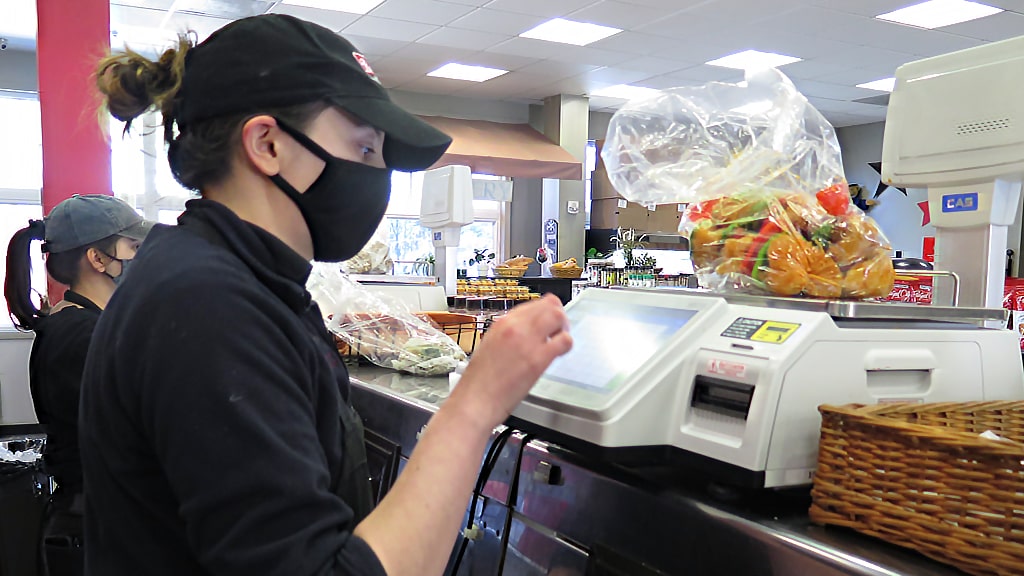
(774, 332)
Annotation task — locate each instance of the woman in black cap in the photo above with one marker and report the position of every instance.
(219, 438)
(88, 240)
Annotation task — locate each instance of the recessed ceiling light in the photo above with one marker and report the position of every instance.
(570, 32)
(350, 6)
(883, 85)
(939, 13)
(466, 72)
(753, 60)
(625, 92)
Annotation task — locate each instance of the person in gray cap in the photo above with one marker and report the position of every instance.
(88, 242)
(219, 438)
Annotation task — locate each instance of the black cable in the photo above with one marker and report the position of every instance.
(513, 502)
(493, 454)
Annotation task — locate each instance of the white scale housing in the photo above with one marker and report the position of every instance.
(672, 368)
(955, 125)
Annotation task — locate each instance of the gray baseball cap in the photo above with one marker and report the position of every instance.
(84, 219)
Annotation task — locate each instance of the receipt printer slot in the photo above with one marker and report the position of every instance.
(722, 396)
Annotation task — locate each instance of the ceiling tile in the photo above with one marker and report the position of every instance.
(653, 65)
(810, 69)
(829, 90)
(604, 77)
(389, 29)
(716, 17)
(667, 81)
(854, 76)
(154, 4)
(231, 9)
(644, 44)
(434, 55)
(131, 16)
(588, 55)
(617, 14)
(432, 85)
(469, 2)
(870, 8)
(531, 48)
(371, 46)
(203, 26)
(503, 61)
(996, 27)
(704, 73)
(876, 60)
(327, 18)
(557, 68)
(1012, 5)
(506, 86)
(423, 11)
(459, 38)
(543, 8)
(497, 22)
(861, 30)
(665, 4)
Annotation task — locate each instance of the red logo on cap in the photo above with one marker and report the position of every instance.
(365, 64)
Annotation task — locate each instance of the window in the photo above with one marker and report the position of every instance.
(21, 147)
(21, 177)
(409, 241)
(140, 172)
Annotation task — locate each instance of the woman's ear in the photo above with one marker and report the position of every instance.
(261, 144)
(96, 260)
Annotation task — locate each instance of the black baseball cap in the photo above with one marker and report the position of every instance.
(276, 61)
(82, 220)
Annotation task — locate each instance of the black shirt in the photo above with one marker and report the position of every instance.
(55, 377)
(210, 430)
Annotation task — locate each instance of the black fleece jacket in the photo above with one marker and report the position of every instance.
(210, 432)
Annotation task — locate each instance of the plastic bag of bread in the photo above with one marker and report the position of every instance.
(769, 207)
(380, 329)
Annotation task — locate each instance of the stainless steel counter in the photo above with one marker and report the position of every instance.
(574, 516)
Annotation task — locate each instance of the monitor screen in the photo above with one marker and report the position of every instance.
(610, 342)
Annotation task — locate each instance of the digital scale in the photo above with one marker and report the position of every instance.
(730, 384)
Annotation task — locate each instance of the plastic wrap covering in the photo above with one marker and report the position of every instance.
(769, 208)
(379, 329)
(374, 258)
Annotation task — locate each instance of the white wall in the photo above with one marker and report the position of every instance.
(898, 216)
(15, 398)
(599, 125)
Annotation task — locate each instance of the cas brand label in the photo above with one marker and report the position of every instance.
(960, 202)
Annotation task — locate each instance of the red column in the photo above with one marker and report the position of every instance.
(72, 36)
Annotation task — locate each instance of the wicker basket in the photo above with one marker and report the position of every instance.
(510, 271)
(567, 272)
(919, 475)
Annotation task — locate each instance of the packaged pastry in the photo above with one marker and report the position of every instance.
(769, 209)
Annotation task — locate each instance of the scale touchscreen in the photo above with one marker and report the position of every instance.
(610, 342)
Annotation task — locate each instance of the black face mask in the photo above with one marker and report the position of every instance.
(345, 204)
(125, 263)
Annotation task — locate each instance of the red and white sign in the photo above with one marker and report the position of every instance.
(727, 368)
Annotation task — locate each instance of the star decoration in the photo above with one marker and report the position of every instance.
(926, 219)
(882, 186)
